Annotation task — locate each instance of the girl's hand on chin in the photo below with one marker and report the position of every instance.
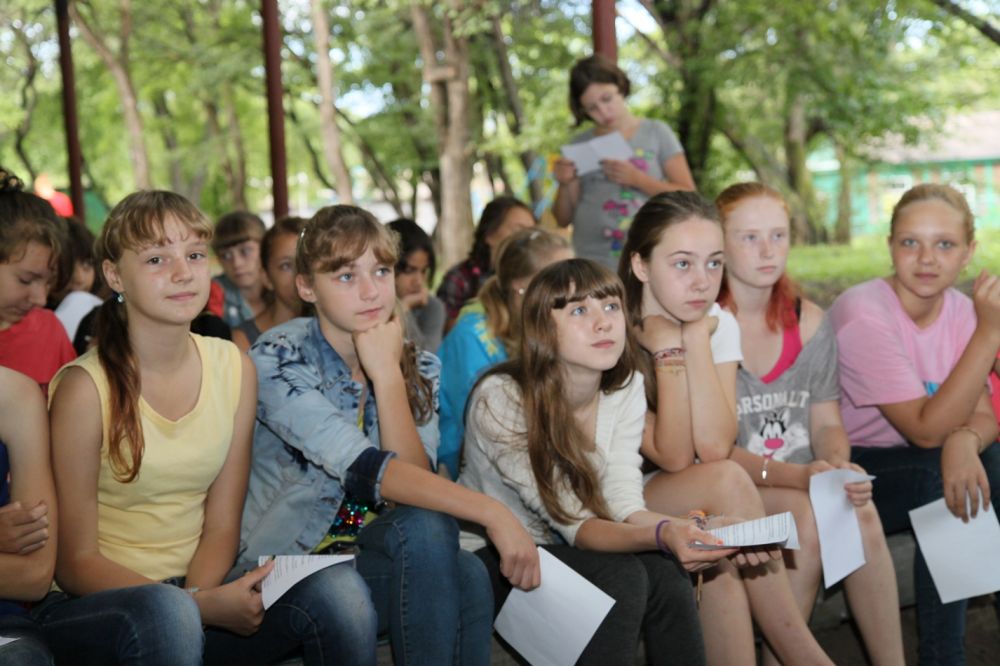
(657, 332)
(705, 326)
(380, 348)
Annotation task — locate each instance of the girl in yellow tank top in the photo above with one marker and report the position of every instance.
(151, 435)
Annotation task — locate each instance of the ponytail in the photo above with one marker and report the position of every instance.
(124, 427)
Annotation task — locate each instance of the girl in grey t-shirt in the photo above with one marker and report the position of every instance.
(600, 204)
(788, 411)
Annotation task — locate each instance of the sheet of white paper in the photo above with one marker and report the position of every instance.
(840, 543)
(611, 146)
(4, 640)
(290, 569)
(583, 156)
(588, 155)
(778, 529)
(552, 624)
(962, 557)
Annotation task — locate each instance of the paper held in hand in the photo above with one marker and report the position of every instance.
(289, 570)
(552, 624)
(588, 155)
(778, 529)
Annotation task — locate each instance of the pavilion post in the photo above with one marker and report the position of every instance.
(70, 121)
(603, 15)
(275, 108)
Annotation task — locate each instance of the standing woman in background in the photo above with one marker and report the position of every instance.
(600, 204)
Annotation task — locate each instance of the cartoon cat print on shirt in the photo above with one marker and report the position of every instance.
(775, 437)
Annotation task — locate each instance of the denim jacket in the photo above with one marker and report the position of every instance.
(307, 447)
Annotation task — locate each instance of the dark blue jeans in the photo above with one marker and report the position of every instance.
(148, 625)
(433, 598)
(909, 477)
(328, 618)
(29, 649)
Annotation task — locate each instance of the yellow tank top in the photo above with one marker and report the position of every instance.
(153, 524)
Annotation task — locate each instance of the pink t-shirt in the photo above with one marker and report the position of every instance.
(885, 358)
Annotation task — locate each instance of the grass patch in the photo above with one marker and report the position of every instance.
(826, 270)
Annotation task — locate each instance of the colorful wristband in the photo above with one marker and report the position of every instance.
(659, 543)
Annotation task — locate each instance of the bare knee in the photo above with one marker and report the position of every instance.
(737, 490)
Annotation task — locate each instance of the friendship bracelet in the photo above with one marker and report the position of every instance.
(669, 353)
(979, 447)
(659, 544)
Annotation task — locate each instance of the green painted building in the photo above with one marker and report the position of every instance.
(965, 154)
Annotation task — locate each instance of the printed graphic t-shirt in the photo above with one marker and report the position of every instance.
(774, 417)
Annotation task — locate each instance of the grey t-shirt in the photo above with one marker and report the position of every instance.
(425, 325)
(774, 417)
(605, 209)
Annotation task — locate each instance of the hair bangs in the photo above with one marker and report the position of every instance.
(584, 281)
(338, 235)
(139, 221)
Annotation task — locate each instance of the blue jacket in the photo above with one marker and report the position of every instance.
(469, 350)
(307, 446)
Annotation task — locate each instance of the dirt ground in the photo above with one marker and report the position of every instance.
(982, 637)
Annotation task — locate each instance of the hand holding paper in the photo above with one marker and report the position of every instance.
(588, 155)
(553, 623)
(777, 529)
(290, 569)
(840, 545)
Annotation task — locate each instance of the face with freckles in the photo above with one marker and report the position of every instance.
(682, 277)
(165, 281)
(757, 241)
(930, 248)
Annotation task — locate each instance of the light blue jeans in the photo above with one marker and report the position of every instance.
(433, 598)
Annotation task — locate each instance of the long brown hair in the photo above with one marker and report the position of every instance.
(334, 237)
(780, 312)
(136, 222)
(557, 447)
(519, 256)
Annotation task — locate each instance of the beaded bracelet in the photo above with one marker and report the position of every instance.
(669, 353)
(659, 544)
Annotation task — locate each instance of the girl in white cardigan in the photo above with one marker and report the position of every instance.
(555, 436)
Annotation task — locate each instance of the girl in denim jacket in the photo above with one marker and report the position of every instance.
(151, 435)
(347, 426)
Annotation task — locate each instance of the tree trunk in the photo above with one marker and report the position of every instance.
(327, 123)
(842, 231)
(29, 99)
(449, 92)
(516, 115)
(807, 225)
(117, 64)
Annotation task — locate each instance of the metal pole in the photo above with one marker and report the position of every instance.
(605, 42)
(275, 108)
(74, 154)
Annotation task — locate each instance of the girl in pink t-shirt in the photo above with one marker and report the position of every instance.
(788, 350)
(914, 356)
(672, 268)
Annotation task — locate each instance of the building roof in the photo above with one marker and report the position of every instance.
(964, 137)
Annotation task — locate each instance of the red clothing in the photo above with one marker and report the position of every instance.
(62, 204)
(36, 346)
